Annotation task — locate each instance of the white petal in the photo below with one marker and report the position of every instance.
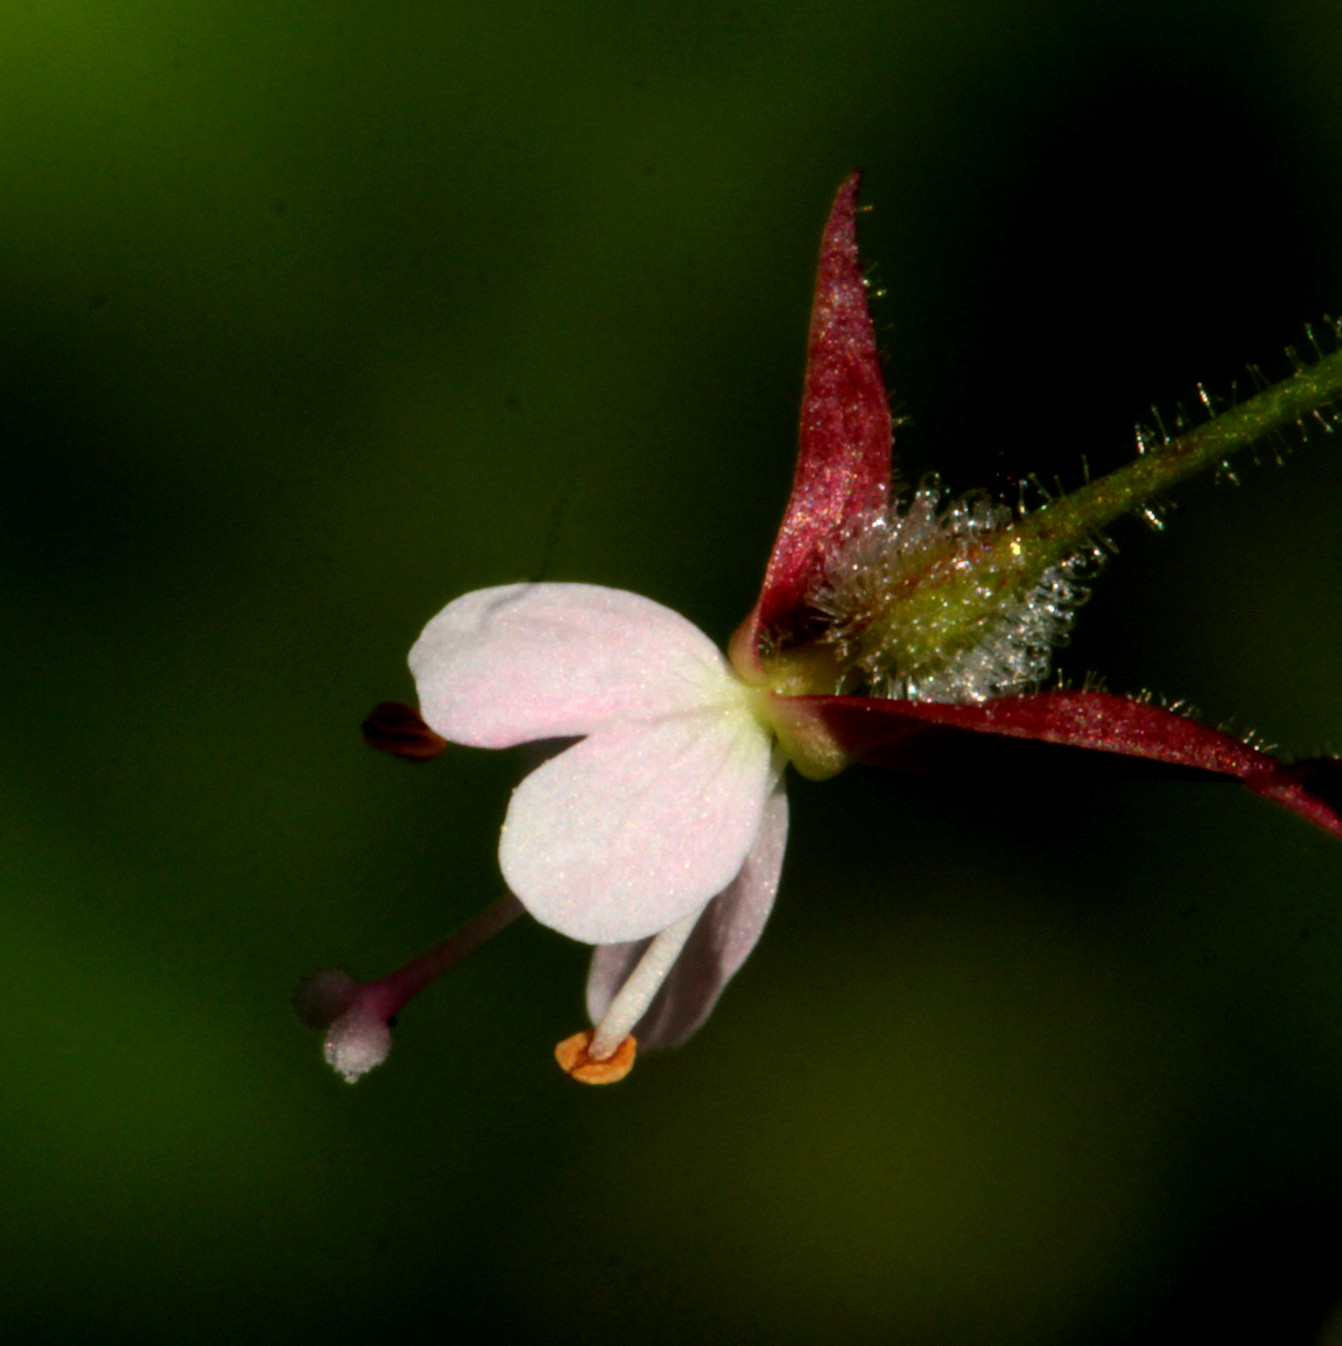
(723, 938)
(632, 828)
(525, 661)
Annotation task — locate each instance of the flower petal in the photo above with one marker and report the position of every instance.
(525, 661)
(843, 468)
(632, 828)
(723, 938)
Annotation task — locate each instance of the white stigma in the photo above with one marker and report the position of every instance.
(356, 1042)
(642, 984)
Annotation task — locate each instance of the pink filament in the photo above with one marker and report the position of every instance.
(385, 997)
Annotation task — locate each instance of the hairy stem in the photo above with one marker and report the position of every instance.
(944, 597)
(1064, 524)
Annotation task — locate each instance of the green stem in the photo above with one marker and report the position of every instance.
(942, 600)
(1064, 524)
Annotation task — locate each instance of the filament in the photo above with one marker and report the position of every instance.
(634, 997)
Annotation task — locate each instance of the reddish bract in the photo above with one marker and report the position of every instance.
(843, 465)
(1071, 733)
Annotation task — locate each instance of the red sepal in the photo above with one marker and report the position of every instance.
(1092, 733)
(843, 467)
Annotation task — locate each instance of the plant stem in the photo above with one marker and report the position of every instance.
(945, 596)
(1064, 524)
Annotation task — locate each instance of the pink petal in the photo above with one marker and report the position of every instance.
(526, 661)
(638, 825)
(843, 468)
(1086, 731)
(724, 936)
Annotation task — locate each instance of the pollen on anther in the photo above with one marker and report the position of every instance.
(573, 1058)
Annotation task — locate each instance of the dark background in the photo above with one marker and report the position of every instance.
(313, 316)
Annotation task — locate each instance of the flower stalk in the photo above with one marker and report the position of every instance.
(1313, 392)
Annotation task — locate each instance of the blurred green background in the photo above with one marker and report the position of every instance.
(314, 316)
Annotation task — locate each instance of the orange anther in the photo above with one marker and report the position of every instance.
(574, 1060)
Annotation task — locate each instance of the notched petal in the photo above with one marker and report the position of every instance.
(503, 666)
(636, 826)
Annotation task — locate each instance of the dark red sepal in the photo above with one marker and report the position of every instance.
(843, 467)
(1087, 733)
(398, 729)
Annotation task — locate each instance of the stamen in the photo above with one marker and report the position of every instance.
(398, 729)
(357, 1015)
(396, 990)
(643, 983)
(575, 1059)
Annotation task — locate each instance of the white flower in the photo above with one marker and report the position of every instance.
(659, 836)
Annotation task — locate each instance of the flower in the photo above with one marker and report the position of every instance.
(908, 633)
(670, 803)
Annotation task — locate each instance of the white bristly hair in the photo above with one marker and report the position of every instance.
(1013, 645)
